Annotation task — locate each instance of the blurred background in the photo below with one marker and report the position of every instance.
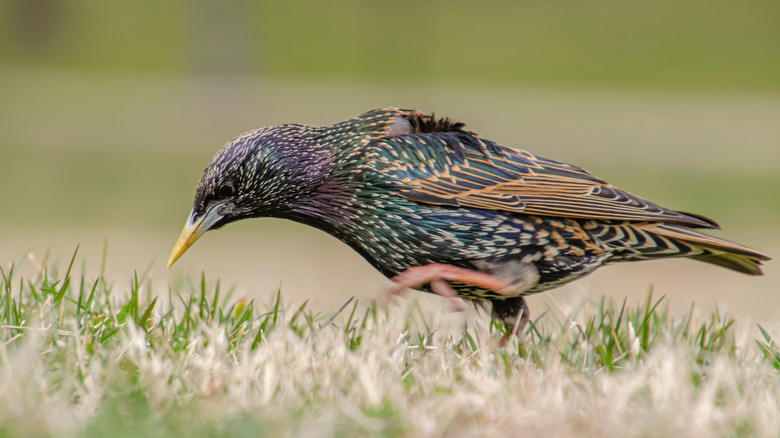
(110, 111)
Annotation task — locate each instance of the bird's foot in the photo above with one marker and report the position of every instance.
(437, 276)
(515, 330)
(515, 315)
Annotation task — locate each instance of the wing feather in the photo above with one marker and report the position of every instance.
(459, 169)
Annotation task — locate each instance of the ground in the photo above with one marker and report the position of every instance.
(80, 357)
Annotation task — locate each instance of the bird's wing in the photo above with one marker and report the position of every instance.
(459, 169)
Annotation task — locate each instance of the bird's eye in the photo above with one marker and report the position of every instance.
(226, 190)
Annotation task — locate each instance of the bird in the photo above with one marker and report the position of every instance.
(438, 208)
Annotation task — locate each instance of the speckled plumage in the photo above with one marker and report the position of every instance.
(405, 189)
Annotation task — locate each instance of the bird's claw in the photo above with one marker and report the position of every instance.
(439, 287)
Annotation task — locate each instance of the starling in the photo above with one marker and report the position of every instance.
(438, 208)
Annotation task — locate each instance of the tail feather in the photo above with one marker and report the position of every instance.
(739, 263)
(709, 249)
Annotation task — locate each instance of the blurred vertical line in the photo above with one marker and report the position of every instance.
(221, 58)
(33, 27)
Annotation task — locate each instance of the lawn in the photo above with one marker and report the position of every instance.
(95, 356)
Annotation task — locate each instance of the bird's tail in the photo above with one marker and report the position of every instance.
(658, 240)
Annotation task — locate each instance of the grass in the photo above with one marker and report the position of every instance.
(85, 357)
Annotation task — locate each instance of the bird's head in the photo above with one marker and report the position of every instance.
(262, 173)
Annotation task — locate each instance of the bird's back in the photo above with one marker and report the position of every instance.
(429, 181)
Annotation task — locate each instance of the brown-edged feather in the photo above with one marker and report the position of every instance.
(460, 169)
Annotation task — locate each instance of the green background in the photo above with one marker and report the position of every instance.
(705, 45)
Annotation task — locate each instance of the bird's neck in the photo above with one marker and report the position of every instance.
(330, 205)
(328, 208)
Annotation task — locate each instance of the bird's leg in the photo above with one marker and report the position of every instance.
(510, 279)
(438, 274)
(514, 313)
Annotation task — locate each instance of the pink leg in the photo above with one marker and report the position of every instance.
(437, 276)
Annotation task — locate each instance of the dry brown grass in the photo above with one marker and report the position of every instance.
(78, 363)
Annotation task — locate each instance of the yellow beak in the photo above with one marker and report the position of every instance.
(193, 229)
